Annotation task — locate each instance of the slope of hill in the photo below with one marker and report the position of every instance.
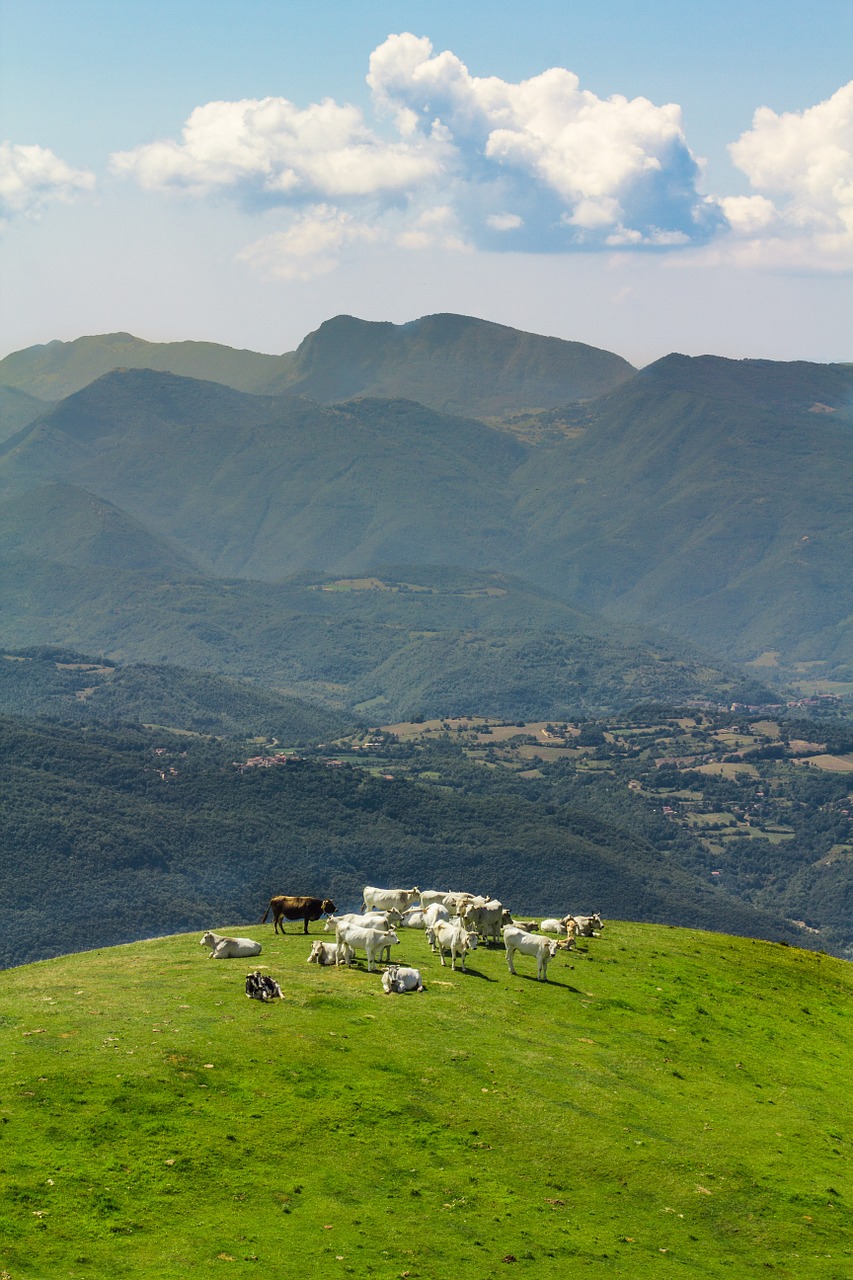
(54, 370)
(707, 496)
(69, 687)
(451, 363)
(658, 1107)
(406, 643)
(140, 832)
(712, 495)
(455, 364)
(17, 410)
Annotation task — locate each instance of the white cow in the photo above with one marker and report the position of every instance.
(452, 936)
(413, 919)
(222, 948)
(371, 941)
(433, 914)
(552, 925)
(327, 953)
(388, 899)
(400, 978)
(485, 919)
(544, 949)
(589, 926)
(367, 920)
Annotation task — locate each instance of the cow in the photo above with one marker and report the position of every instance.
(485, 919)
(413, 919)
(399, 979)
(435, 911)
(388, 899)
(285, 907)
(588, 926)
(552, 925)
(371, 941)
(222, 948)
(327, 953)
(452, 936)
(260, 986)
(544, 949)
(371, 920)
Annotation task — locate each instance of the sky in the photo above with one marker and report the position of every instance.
(644, 177)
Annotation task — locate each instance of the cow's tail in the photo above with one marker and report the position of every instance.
(266, 913)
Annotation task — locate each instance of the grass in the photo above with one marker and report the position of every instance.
(672, 1103)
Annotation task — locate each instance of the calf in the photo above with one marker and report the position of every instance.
(544, 949)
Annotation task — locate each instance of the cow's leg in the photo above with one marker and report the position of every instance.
(509, 963)
(305, 930)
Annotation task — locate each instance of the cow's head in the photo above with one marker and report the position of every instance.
(206, 940)
(471, 941)
(328, 906)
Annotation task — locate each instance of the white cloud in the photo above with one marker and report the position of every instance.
(32, 177)
(803, 162)
(270, 148)
(460, 161)
(310, 246)
(584, 166)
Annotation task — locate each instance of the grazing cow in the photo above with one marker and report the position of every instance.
(290, 908)
(222, 948)
(388, 899)
(327, 953)
(485, 919)
(588, 926)
(544, 949)
(398, 979)
(455, 938)
(357, 938)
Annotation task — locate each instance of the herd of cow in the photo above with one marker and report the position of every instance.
(454, 924)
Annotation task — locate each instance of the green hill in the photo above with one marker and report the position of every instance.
(451, 363)
(54, 370)
(17, 410)
(455, 364)
(669, 1103)
(73, 687)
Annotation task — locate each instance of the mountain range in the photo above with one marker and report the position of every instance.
(701, 499)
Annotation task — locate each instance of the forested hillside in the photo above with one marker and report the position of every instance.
(123, 834)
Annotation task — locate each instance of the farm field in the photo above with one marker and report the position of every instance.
(672, 1103)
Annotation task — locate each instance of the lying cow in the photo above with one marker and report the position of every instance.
(229, 948)
(544, 949)
(588, 926)
(452, 936)
(327, 953)
(398, 979)
(295, 908)
(260, 986)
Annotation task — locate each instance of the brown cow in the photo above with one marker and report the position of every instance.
(287, 908)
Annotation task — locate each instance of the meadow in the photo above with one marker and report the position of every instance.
(671, 1103)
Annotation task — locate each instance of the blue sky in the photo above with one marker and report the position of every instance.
(643, 177)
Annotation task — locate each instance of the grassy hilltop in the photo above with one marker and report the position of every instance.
(672, 1103)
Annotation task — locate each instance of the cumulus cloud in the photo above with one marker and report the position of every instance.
(32, 177)
(270, 148)
(452, 160)
(802, 164)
